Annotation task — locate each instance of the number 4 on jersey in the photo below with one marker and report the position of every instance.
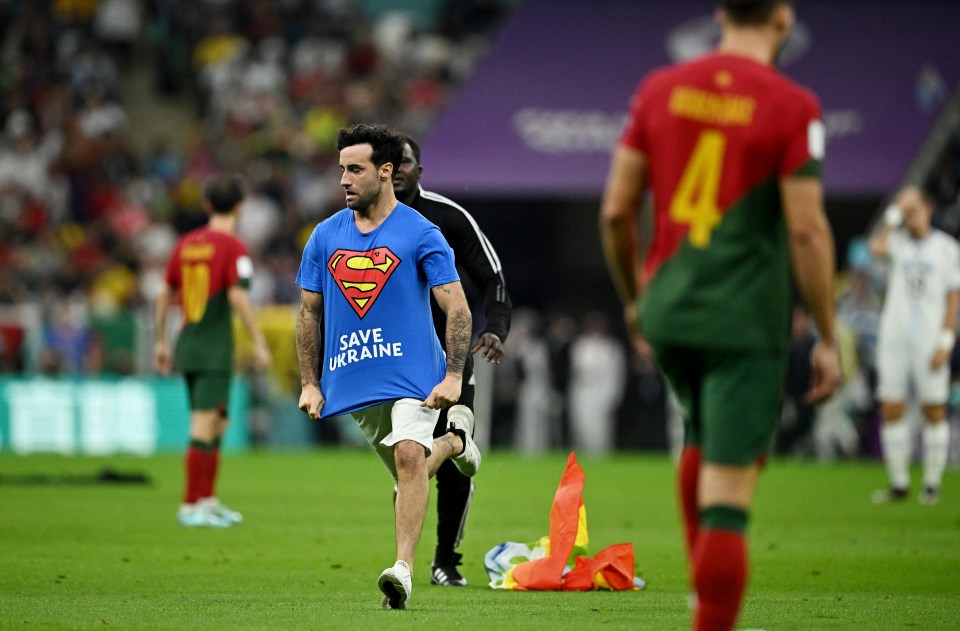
(695, 201)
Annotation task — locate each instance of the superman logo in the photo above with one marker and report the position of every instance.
(361, 276)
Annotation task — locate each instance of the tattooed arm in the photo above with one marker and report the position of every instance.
(453, 303)
(309, 319)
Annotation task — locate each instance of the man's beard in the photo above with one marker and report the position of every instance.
(362, 203)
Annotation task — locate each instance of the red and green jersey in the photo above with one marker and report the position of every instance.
(204, 265)
(718, 133)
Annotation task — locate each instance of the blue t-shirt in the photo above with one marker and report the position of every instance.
(378, 335)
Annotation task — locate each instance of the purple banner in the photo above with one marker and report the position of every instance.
(542, 112)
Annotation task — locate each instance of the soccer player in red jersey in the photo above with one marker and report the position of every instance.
(730, 150)
(210, 271)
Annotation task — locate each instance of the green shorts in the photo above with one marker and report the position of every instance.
(730, 399)
(208, 390)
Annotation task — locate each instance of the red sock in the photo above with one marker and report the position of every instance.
(720, 576)
(688, 476)
(212, 465)
(194, 468)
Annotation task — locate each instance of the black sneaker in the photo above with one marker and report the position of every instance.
(890, 495)
(447, 576)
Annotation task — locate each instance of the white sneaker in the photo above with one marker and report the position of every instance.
(890, 495)
(929, 496)
(396, 583)
(213, 505)
(197, 516)
(468, 462)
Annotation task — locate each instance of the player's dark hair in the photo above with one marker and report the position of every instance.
(751, 12)
(387, 146)
(413, 146)
(224, 192)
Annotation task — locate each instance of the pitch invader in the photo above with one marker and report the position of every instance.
(917, 334)
(367, 273)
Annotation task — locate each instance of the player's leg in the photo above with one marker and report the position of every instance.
(682, 374)
(211, 500)
(214, 389)
(376, 425)
(199, 455)
(720, 556)
(221, 424)
(934, 388)
(740, 398)
(202, 453)
(413, 492)
(893, 371)
(936, 451)
(454, 493)
(401, 433)
(412, 438)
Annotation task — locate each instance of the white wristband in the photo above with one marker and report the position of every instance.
(892, 216)
(946, 340)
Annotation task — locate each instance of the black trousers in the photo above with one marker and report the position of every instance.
(454, 490)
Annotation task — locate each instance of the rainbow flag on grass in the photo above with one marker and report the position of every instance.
(559, 561)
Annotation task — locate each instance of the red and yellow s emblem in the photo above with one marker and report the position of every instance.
(361, 276)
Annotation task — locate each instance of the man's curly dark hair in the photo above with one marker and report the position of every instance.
(387, 146)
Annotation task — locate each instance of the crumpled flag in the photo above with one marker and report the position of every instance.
(544, 564)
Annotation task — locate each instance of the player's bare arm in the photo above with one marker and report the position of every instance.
(240, 302)
(452, 301)
(620, 233)
(947, 337)
(309, 318)
(879, 240)
(162, 360)
(812, 253)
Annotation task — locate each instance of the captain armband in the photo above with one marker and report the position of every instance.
(946, 340)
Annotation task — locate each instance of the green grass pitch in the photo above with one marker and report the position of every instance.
(319, 529)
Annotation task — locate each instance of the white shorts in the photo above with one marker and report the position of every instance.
(899, 364)
(386, 424)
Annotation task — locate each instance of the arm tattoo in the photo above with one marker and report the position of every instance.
(308, 341)
(458, 339)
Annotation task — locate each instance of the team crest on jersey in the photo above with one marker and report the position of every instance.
(361, 276)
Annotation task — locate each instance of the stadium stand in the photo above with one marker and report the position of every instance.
(94, 188)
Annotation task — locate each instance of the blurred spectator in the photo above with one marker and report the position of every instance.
(858, 312)
(535, 427)
(117, 24)
(91, 70)
(163, 163)
(65, 346)
(797, 416)
(598, 374)
(561, 332)
(843, 422)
